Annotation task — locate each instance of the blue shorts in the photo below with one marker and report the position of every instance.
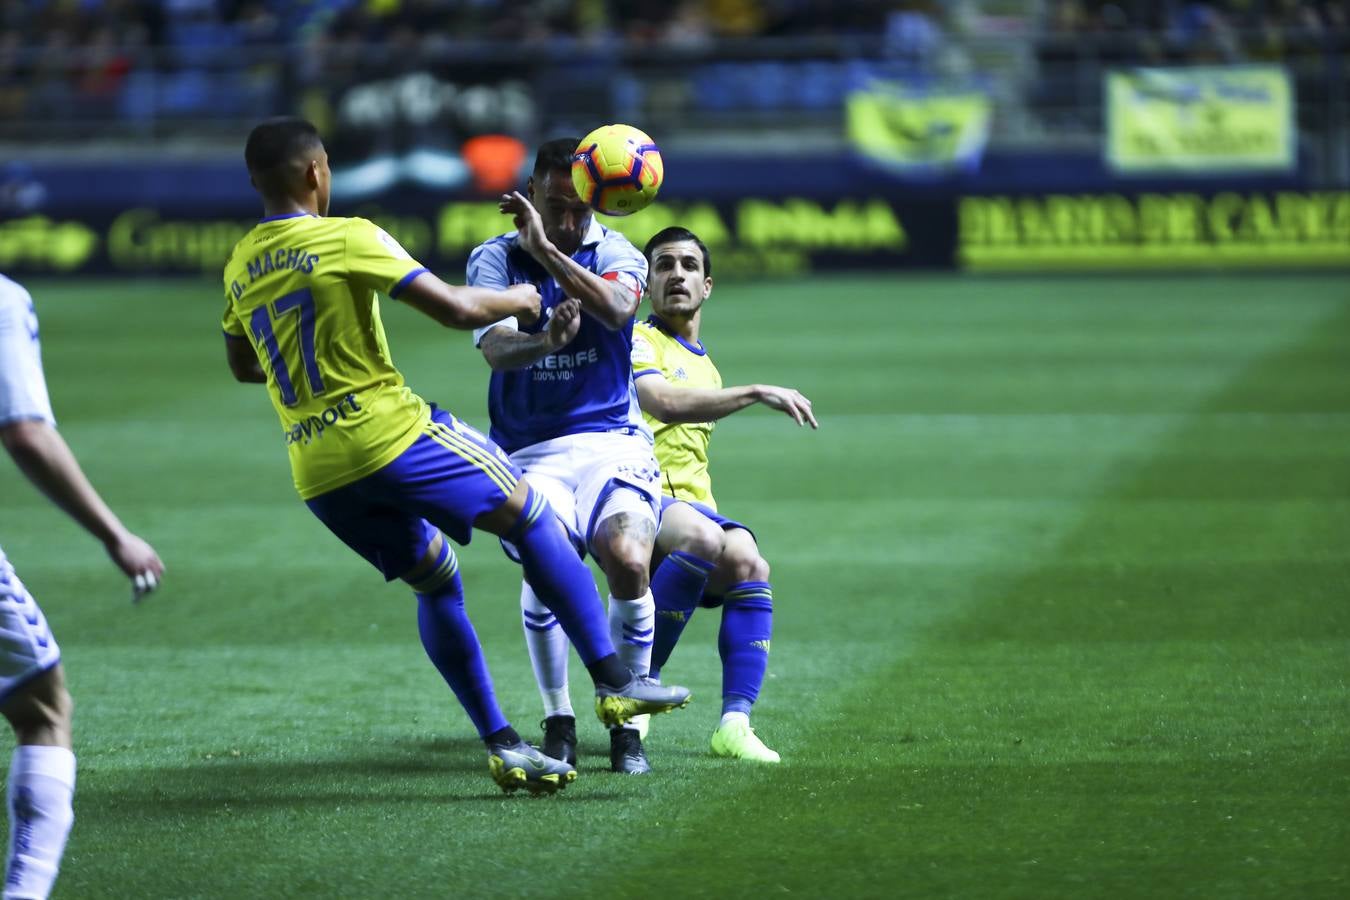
(449, 477)
(708, 513)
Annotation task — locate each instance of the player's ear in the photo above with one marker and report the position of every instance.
(312, 175)
(707, 287)
(529, 187)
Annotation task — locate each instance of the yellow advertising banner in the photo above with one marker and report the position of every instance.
(1202, 119)
(908, 128)
(752, 236)
(1124, 232)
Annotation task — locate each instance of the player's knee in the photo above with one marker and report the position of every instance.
(747, 566)
(628, 576)
(705, 541)
(63, 708)
(43, 712)
(685, 529)
(625, 562)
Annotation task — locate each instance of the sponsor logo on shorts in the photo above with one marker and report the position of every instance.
(640, 473)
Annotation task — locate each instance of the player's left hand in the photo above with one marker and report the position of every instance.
(527, 221)
(789, 401)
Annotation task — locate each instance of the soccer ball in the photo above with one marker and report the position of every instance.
(617, 169)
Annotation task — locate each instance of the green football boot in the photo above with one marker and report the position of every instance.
(737, 740)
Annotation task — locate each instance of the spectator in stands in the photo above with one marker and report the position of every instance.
(13, 80)
(1205, 35)
(105, 65)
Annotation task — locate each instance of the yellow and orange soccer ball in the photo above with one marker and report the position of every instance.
(617, 169)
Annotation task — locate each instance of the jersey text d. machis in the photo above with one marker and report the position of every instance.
(302, 290)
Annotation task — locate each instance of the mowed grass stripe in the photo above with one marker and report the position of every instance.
(1057, 765)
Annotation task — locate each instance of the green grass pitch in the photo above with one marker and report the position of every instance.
(1063, 591)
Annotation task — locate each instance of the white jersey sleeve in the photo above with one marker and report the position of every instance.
(487, 269)
(23, 390)
(617, 259)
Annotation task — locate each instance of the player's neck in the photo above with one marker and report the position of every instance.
(686, 326)
(289, 206)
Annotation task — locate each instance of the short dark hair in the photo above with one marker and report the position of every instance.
(555, 155)
(674, 235)
(278, 141)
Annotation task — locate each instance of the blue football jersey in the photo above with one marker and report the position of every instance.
(586, 386)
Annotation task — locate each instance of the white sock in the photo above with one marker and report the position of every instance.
(631, 624)
(547, 643)
(733, 717)
(41, 786)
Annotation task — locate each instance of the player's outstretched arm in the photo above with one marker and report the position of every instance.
(676, 405)
(466, 308)
(786, 400)
(44, 457)
(610, 302)
(507, 348)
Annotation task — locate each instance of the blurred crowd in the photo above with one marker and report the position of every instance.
(136, 23)
(1228, 31)
(143, 60)
(1082, 38)
(120, 58)
(95, 43)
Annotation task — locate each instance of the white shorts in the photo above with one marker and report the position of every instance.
(578, 474)
(27, 648)
(23, 392)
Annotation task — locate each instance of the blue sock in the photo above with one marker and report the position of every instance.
(743, 643)
(561, 580)
(450, 641)
(677, 585)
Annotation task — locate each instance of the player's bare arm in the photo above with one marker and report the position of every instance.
(507, 348)
(46, 460)
(611, 303)
(676, 405)
(466, 308)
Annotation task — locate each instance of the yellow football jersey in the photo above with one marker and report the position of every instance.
(681, 450)
(301, 289)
